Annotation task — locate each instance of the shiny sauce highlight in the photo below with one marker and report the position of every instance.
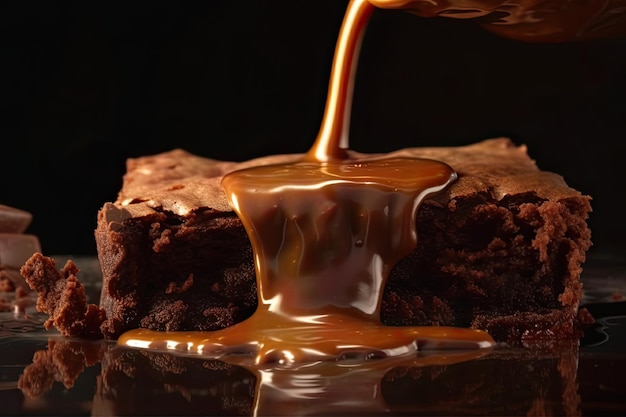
(326, 232)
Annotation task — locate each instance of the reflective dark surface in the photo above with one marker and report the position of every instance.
(42, 373)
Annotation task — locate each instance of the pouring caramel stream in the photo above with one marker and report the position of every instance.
(325, 233)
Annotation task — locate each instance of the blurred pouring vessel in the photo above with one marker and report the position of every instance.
(528, 20)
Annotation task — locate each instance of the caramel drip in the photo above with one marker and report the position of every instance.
(325, 233)
(332, 138)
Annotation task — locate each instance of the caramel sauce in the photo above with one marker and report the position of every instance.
(325, 233)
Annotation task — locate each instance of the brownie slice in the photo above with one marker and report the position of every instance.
(501, 249)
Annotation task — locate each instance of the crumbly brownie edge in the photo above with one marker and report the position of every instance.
(520, 281)
(168, 272)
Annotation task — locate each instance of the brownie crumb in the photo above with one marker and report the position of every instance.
(584, 318)
(173, 288)
(61, 295)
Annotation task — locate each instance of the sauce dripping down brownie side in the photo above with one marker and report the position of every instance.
(326, 232)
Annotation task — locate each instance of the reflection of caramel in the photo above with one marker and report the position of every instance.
(330, 388)
(529, 20)
(326, 232)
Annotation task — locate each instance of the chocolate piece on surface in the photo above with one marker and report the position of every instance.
(15, 249)
(13, 220)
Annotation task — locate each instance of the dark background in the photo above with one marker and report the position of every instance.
(86, 85)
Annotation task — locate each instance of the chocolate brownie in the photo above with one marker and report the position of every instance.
(501, 249)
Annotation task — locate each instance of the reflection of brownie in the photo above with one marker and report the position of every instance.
(152, 383)
(501, 249)
(533, 382)
(504, 382)
(507, 382)
(132, 382)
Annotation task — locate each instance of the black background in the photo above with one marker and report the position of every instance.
(86, 85)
